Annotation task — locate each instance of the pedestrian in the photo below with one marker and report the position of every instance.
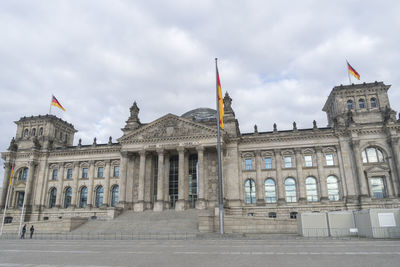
(23, 232)
(32, 230)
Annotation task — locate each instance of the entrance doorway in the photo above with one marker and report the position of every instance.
(173, 180)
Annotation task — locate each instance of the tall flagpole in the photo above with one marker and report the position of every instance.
(348, 72)
(51, 101)
(220, 199)
(6, 204)
(23, 204)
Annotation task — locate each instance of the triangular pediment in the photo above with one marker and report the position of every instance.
(167, 127)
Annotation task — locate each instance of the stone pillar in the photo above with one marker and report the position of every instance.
(394, 144)
(280, 181)
(180, 204)
(60, 181)
(362, 183)
(323, 190)
(106, 183)
(6, 181)
(122, 179)
(159, 205)
(259, 180)
(75, 189)
(139, 206)
(29, 184)
(91, 183)
(300, 178)
(166, 182)
(201, 201)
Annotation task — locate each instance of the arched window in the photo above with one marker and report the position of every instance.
(311, 189)
(23, 174)
(373, 102)
(34, 132)
(290, 190)
(26, 133)
(52, 198)
(270, 193)
(377, 187)
(41, 131)
(67, 197)
(333, 188)
(114, 196)
(361, 103)
(372, 155)
(250, 191)
(350, 104)
(99, 196)
(83, 197)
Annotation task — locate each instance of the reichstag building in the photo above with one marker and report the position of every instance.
(171, 163)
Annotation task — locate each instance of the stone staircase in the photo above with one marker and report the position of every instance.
(147, 222)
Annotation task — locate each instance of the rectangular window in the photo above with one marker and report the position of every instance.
(85, 173)
(248, 164)
(308, 161)
(329, 159)
(55, 173)
(20, 199)
(288, 162)
(116, 171)
(69, 174)
(377, 187)
(268, 163)
(100, 172)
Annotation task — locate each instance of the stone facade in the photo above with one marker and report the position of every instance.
(171, 163)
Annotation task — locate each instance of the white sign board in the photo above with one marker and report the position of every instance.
(353, 230)
(386, 220)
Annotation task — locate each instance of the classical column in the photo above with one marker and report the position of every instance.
(180, 204)
(75, 193)
(29, 184)
(259, 180)
(280, 182)
(60, 183)
(201, 202)
(6, 180)
(106, 183)
(159, 205)
(122, 179)
(139, 206)
(394, 144)
(91, 182)
(362, 183)
(321, 177)
(166, 182)
(300, 178)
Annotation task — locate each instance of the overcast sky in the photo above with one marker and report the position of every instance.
(278, 60)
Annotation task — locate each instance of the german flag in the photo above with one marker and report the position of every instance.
(220, 103)
(353, 71)
(54, 102)
(11, 175)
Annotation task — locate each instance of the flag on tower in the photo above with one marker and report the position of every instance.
(54, 102)
(353, 71)
(220, 102)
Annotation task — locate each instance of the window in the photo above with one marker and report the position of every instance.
(41, 131)
(8, 219)
(270, 193)
(34, 132)
(248, 164)
(350, 104)
(329, 160)
(290, 190)
(311, 189)
(361, 103)
(99, 196)
(372, 155)
(116, 171)
(67, 197)
(23, 174)
(69, 174)
(83, 197)
(377, 187)
(250, 191)
(308, 161)
(268, 163)
(85, 173)
(272, 215)
(288, 162)
(20, 199)
(293, 215)
(52, 197)
(26, 133)
(100, 172)
(333, 188)
(55, 173)
(373, 102)
(114, 196)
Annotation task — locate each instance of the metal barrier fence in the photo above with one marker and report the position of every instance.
(374, 232)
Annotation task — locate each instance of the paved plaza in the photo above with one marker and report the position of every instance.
(211, 252)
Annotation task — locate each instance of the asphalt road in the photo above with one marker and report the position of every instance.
(50, 253)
